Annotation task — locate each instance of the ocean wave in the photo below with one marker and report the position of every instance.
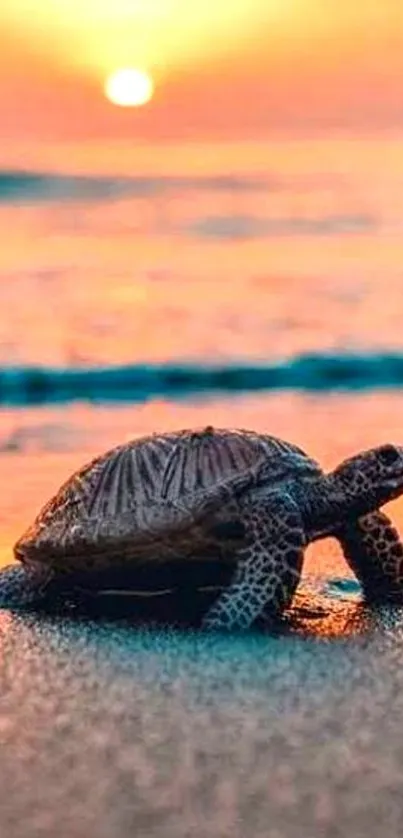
(34, 385)
(31, 187)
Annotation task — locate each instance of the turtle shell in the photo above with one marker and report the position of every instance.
(149, 498)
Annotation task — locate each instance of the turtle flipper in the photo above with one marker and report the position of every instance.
(268, 566)
(374, 551)
(21, 587)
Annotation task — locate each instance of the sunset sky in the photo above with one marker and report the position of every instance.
(233, 68)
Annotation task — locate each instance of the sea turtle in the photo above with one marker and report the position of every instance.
(227, 510)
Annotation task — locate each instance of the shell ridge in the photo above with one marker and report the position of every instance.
(173, 469)
(100, 487)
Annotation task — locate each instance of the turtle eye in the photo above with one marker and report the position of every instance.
(389, 454)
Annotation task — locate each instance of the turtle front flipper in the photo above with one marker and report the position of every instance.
(21, 587)
(374, 551)
(268, 564)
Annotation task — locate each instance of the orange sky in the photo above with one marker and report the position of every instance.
(234, 68)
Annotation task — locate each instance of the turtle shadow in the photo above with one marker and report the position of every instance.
(322, 608)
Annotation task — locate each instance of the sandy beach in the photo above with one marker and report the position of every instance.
(111, 729)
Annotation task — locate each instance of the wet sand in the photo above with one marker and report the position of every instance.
(108, 729)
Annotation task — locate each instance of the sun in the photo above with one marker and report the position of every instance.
(129, 87)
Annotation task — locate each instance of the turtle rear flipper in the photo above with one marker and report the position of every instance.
(22, 587)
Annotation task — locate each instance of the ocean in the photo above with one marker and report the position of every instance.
(253, 285)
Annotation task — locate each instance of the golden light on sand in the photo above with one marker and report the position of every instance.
(129, 87)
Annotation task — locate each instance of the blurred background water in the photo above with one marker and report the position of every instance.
(234, 253)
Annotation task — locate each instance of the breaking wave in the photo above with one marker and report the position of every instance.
(35, 385)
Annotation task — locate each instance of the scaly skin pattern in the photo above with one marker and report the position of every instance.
(370, 542)
(374, 551)
(268, 565)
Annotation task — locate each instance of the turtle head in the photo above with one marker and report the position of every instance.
(370, 479)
